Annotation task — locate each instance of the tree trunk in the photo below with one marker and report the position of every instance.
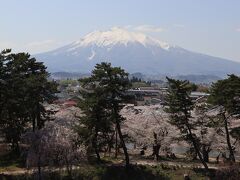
(231, 152)
(197, 149)
(122, 143)
(39, 120)
(15, 147)
(116, 142)
(118, 130)
(39, 168)
(205, 153)
(95, 146)
(69, 170)
(109, 146)
(97, 154)
(156, 149)
(195, 145)
(33, 122)
(110, 142)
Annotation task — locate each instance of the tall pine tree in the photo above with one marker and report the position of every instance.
(226, 95)
(24, 89)
(95, 122)
(111, 84)
(179, 106)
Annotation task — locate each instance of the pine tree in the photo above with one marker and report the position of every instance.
(179, 106)
(226, 95)
(95, 120)
(112, 82)
(3, 83)
(25, 87)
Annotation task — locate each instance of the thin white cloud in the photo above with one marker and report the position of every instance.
(179, 25)
(4, 45)
(148, 28)
(41, 43)
(238, 29)
(42, 46)
(31, 47)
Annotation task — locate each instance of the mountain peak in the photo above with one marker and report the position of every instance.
(135, 52)
(115, 36)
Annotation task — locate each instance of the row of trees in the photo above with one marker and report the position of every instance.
(24, 87)
(103, 97)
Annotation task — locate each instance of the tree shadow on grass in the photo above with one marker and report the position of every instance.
(11, 160)
(132, 173)
(210, 174)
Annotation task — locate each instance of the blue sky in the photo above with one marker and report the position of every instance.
(206, 26)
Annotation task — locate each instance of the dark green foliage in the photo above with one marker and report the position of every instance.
(138, 82)
(24, 88)
(135, 79)
(226, 93)
(180, 104)
(194, 87)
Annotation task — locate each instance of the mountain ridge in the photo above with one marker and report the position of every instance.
(135, 52)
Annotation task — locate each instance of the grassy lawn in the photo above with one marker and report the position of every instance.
(110, 169)
(113, 172)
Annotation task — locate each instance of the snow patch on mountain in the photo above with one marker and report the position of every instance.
(92, 55)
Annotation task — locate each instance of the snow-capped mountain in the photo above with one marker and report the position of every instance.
(116, 36)
(135, 52)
